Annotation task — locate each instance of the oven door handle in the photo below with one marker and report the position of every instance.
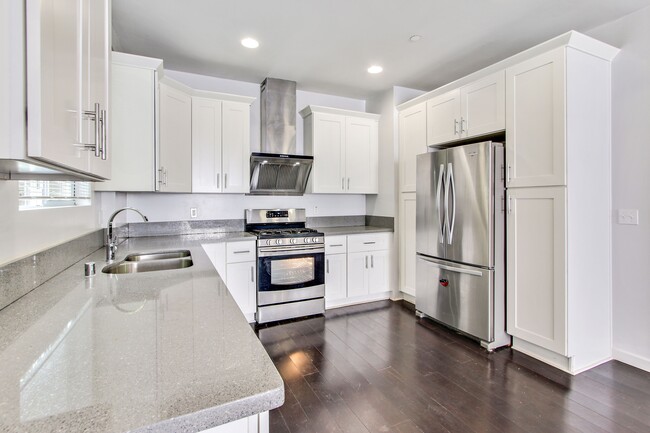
(282, 251)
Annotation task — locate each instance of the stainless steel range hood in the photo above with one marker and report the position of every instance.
(276, 169)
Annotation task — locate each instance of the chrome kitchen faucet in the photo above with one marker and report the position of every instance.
(111, 239)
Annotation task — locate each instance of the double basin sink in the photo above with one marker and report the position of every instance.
(148, 262)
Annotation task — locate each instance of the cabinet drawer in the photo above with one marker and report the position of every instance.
(368, 242)
(335, 244)
(243, 251)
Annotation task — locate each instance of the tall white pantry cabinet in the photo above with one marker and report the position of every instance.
(558, 177)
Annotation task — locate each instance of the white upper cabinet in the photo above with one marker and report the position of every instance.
(220, 145)
(68, 58)
(443, 118)
(483, 106)
(175, 138)
(473, 110)
(412, 142)
(133, 128)
(345, 146)
(207, 173)
(361, 155)
(536, 116)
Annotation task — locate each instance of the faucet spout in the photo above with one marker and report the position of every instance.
(111, 239)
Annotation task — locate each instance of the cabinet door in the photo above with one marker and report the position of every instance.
(378, 272)
(536, 266)
(133, 130)
(412, 142)
(96, 78)
(358, 264)
(217, 255)
(443, 118)
(535, 121)
(206, 145)
(175, 140)
(484, 106)
(236, 147)
(328, 147)
(407, 243)
(361, 157)
(335, 277)
(54, 83)
(240, 280)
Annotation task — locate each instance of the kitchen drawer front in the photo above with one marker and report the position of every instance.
(335, 245)
(243, 251)
(368, 242)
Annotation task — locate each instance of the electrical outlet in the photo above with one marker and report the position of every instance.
(194, 212)
(628, 216)
(315, 210)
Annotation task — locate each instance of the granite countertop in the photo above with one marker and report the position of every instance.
(164, 351)
(352, 230)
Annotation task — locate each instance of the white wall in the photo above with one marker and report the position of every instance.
(23, 233)
(630, 184)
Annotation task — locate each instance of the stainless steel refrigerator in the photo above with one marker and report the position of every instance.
(460, 242)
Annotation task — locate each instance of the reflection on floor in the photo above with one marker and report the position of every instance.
(376, 368)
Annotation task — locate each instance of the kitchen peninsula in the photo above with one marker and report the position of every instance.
(164, 351)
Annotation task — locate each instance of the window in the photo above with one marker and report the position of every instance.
(39, 194)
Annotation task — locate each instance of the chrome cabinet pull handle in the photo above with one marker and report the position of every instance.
(343, 183)
(104, 147)
(348, 183)
(508, 174)
(369, 243)
(241, 252)
(327, 262)
(509, 204)
(462, 128)
(372, 261)
(336, 245)
(252, 275)
(225, 180)
(455, 127)
(218, 179)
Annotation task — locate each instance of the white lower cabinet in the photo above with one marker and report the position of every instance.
(253, 424)
(236, 264)
(356, 268)
(335, 278)
(407, 243)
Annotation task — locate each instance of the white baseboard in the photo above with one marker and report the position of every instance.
(632, 359)
(357, 300)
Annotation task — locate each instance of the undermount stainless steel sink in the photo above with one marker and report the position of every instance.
(158, 255)
(149, 262)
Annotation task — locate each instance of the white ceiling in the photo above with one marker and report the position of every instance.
(326, 46)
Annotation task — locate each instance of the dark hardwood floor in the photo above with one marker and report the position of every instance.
(376, 368)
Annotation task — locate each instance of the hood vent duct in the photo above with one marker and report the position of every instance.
(276, 170)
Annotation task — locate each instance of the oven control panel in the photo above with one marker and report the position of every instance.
(291, 241)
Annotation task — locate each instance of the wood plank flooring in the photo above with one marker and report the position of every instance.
(377, 368)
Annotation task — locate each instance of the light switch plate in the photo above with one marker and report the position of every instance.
(628, 216)
(194, 212)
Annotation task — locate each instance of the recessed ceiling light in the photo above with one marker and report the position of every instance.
(375, 69)
(415, 38)
(250, 43)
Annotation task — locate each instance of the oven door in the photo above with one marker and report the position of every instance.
(287, 275)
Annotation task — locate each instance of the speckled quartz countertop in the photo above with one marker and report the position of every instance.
(352, 230)
(164, 351)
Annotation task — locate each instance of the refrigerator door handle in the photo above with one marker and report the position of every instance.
(451, 187)
(441, 181)
(435, 264)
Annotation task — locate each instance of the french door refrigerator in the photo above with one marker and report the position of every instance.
(460, 228)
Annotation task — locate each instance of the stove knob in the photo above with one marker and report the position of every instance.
(293, 241)
(278, 241)
(314, 240)
(268, 242)
(306, 240)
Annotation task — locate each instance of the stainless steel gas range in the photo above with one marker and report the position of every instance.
(290, 264)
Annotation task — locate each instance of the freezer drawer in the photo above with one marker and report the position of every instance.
(457, 295)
